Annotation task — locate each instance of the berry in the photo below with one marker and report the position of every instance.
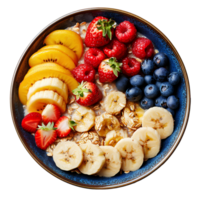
(172, 102)
(115, 49)
(161, 60)
(171, 111)
(130, 67)
(161, 102)
(146, 103)
(99, 32)
(158, 83)
(143, 48)
(151, 91)
(147, 66)
(166, 89)
(137, 80)
(31, 122)
(174, 78)
(93, 57)
(84, 72)
(125, 32)
(134, 94)
(122, 83)
(160, 74)
(149, 79)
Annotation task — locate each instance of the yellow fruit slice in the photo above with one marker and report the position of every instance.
(41, 73)
(51, 56)
(67, 38)
(64, 49)
(40, 99)
(53, 84)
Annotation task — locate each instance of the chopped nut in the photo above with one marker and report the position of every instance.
(156, 51)
(139, 60)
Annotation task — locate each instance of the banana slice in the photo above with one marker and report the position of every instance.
(114, 136)
(106, 123)
(93, 158)
(113, 162)
(149, 139)
(84, 118)
(114, 102)
(132, 154)
(67, 155)
(132, 115)
(159, 119)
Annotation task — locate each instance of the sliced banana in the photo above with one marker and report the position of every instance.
(132, 154)
(93, 158)
(114, 102)
(159, 119)
(67, 155)
(112, 163)
(149, 139)
(106, 123)
(115, 136)
(132, 115)
(84, 118)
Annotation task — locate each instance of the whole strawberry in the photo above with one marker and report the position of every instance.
(109, 70)
(99, 32)
(87, 94)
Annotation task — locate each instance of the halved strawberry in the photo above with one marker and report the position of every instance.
(51, 113)
(64, 126)
(31, 122)
(45, 135)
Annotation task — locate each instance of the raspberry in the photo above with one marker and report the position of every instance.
(84, 72)
(143, 48)
(94, 56)
(125, 32)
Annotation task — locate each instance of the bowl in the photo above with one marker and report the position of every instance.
(168, 146)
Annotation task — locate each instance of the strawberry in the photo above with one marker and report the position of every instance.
(87, 94)
(51, 113)
(99, 32)
(115, 49)
(94, 56)
(45, 135)
(31, 122)
(64, 126)
(109, 70)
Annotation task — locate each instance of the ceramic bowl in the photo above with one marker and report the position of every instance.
(161, 43)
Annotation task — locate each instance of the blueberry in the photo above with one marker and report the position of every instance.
(134, 94)
(174, 78)
(122, 83)
(149, 79)
(146, 103)
(147, 66)
(171, 111)
(151, 91)
(161, 60)
(166, 89)
(160, 74)
(158, 84)
(172, 102)
(137, 80)
(161, 102)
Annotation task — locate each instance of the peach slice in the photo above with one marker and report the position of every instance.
(53, 56)
(67, 38)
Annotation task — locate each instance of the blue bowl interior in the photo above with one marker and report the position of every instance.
(167, 144)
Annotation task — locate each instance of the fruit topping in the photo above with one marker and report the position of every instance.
(149, 80)
(147, 66)
(174, 78)
(166, 89)
(161, 60)
(160, 74)
(137, 80)
(173, 102)
(161, 102)
(146, 103)
(151, 91)
(122, 83)
(134, 94)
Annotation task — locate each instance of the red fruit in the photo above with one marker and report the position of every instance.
(115, 49)
(84, 72)
(130, 67)
(109, 70)
(51, 113)
(94, 56)
(143, 48)
(64, 126)
(31, 122)
(45, 136)
(87, 94)
(99, 32)
(126, 32)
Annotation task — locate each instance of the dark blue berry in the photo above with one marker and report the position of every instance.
(137, 80)
(158, 84)
(174, 78)
(149, 79)
(171, 111)
(122, 83)
(160, 74)
(151, 91)
(172, 102)
(147, 66)
(161, 60)
(166, 89)
(161, 102)
(134, 94)
(146, 103)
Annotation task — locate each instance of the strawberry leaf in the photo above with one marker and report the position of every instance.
(114, 65)
(79, 91)
(48, 127)
(72, 124)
